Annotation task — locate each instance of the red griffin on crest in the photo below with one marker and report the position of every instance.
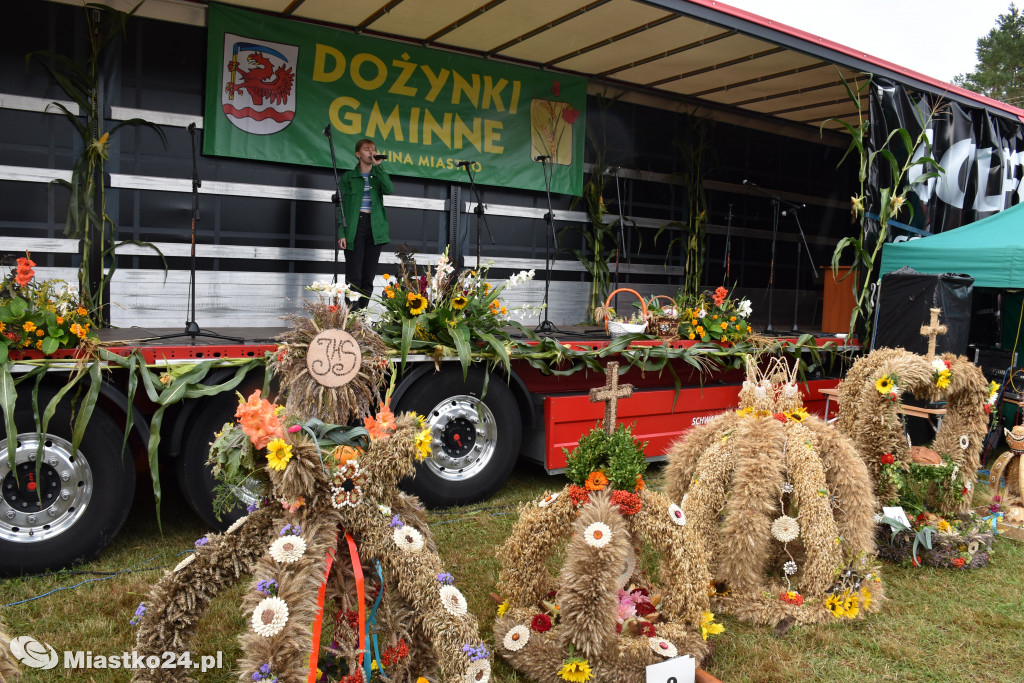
(256, 82)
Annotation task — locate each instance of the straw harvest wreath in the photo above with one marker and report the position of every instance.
(336, 530)
(784, 505)
(8, 667)
(603, 618)
(871, 401)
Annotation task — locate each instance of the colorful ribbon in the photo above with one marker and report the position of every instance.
(371, 621)
(357, 573)
(994, 517)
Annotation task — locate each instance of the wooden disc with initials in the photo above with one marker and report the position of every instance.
(334, 358)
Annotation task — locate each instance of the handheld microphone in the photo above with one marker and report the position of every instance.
(327, 130)
(543, 157)
(464, 163)
(380, 157)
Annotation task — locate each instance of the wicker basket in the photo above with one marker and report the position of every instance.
(617, 328)
(663, 326)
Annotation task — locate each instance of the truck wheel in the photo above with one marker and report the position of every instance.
(475, 442)
(86, 496)
(194, 476)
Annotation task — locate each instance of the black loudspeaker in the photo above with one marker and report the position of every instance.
(904, 304)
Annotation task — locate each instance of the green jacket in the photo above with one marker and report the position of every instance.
(352, 198)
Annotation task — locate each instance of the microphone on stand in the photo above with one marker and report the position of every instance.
(794, 209)
(380, 157)
(466, 164)
(543, 157)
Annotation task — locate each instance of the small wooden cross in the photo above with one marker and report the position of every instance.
(932, 330)
(610, 393)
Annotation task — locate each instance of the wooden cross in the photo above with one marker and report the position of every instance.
(932, 330)
(610, 393)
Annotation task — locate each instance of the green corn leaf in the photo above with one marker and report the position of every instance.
(87, 407)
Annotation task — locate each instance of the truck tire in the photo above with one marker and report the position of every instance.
(475, 441)
(194, 477)
(86, 496)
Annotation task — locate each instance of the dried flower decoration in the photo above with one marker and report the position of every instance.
(478, 672)
(408, 539)
(785, 529)
(453, 601)
(347, 490)
(547, 500)
(288, 549)
(236, 524)
(270, 616)
(516, 638)
(676, 514)
(597, 535)
(541, 623)
(663, 647)
(789, 568)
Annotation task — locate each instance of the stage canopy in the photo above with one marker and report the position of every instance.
(990, 250)
(713, 59)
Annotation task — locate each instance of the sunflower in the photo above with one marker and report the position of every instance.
(459, 302)
(834, 605)
(884, 385)
(576, 671)
(278, 454)
(708, 627)
(423, 445)
(797, 414)
(417, 304)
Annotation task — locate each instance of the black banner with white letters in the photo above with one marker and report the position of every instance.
(980, 153)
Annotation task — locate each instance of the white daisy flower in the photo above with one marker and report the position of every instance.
(662, 647)
(939, 365)
(676, 514)
(288, 549)
(184, 563)
(597, 535)
(789, 568)
(787, 487)
(478, 672)
(965, 441)
(384, 509)
(785, 529)
(516, 638)
(453, 601)
(237, 523)
(270, 616)
(408, 539)
(547, 500)
(701, 313)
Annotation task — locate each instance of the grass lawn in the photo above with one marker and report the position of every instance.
(937, 625)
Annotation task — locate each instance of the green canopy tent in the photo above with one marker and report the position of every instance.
(990, 250)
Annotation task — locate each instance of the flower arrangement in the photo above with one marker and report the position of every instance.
(603, 461)
(961, 542)
(941, 373)
(40, 315)
(437, 308)
(713, 317)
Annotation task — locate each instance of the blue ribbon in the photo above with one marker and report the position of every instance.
(994, 517)
(371, 620)
(896, 224)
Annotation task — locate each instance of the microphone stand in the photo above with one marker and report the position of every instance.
(191, 326)
(478, 210)
(771, 268)
(726, 261)
(336, 198)
(793, 209)
(546, 327)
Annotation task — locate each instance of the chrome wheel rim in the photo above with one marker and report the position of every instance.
(64, 485)
(464, 437)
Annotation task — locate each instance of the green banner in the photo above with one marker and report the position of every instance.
(274, 85)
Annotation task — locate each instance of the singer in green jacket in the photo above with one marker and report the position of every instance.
(366, 221)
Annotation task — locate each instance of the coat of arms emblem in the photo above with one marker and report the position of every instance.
(259, 84)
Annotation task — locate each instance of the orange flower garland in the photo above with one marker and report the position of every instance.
(257, 419)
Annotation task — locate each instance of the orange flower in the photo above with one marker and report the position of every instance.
(724, 325)
(596, 481)
(25, 272)
(257, 419)
(81, 311)
(381, 426)
(640, 483)
(720, 295)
